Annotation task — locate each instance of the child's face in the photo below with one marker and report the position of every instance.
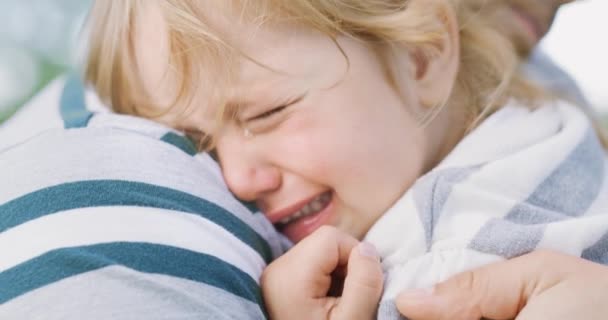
(341, 151)
(524, 21)
(319, 141)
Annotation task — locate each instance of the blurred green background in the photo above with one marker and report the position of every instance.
(38, 40)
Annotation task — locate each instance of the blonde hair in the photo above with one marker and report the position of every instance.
(487, 74)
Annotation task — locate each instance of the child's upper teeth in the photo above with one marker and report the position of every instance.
(316, 205)
(310, 208)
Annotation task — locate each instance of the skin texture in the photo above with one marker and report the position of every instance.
(537, 286)
(323, 126)
(307, 149)
(321, 117)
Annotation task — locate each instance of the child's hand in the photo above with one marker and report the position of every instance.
(297, 285)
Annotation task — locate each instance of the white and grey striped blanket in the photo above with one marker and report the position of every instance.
(523, 180)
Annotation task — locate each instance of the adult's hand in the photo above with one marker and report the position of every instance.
(537, 286)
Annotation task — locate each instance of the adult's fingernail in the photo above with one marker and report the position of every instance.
(368, 250)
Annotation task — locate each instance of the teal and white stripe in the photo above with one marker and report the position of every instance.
(121, 293)
(120, 194)
(139, 256)
(116, 217)
(89, 226)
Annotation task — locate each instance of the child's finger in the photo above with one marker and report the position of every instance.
(324, 250)
(314, 259)
(362, 286)
(304, 275)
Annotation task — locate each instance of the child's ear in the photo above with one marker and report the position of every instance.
(435, 72)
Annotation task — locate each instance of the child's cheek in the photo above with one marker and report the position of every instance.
(310, 148)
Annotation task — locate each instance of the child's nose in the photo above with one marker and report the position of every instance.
(247, 174)
(249, 182)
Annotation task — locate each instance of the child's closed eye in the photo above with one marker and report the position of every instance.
(270, 118)
(268, 114)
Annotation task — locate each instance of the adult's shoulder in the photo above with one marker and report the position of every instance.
(119, 217)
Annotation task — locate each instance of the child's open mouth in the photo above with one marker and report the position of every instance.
(304, 221)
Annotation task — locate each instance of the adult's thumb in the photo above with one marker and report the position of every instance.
(496, 291)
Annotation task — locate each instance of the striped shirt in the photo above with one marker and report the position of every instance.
(115, 217)
(523, 180)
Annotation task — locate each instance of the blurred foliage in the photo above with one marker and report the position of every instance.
(47, 72)
(38, 41)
